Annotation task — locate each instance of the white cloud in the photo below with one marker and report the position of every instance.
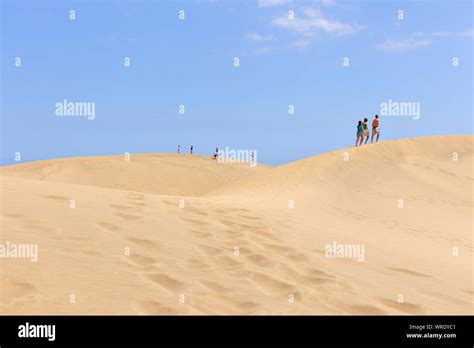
(311, 19)
(420, 39)
(403, 45)
(272, 3)
(259, 37)
(466, 33)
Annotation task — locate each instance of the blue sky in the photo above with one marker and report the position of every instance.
(190, 62)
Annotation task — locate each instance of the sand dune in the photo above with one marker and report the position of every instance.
(167, 234)
(166, 174)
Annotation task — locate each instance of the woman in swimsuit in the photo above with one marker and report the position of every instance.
(360, 133)
(365, 126)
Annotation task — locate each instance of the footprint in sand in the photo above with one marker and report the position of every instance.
(214, 286)
(166, 282)
(128, 217)
(195, 222)
(318, 273)
(406, 307)
(319, 251)
(108, 226)
(248, 306)
(152, 307)
(144, 242)
(139, 204)
(410, 272)
(249, 217)
(227, 211)
(311, 278)
(221, 211)
(134, 195)
(56, 198)
(363, 309)
(197, 211)
(172, 203)
(210, 250)
(271, 285)
(260, 260)
(264, 233)
(195, 263)
(121, 207)
(12, 289)
(201, 234)
(276, 248)
(245, 226)
(232, 235)
(296, 256)
(139, 260)
(228, 262)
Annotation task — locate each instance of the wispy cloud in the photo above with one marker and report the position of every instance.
(403, 44)
(307, 23)
(420, 39)
(260, 37)
(311, 19)
(466, 33)
(272, 3)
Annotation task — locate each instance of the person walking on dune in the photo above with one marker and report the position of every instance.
(366, 135)
(191, 152)
(360, 133)
(375, 129)
(179, 149)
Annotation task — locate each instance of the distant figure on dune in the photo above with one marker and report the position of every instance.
(360, 133)
(366, 135)
(191, 152)
(179, 148)
(215, 154)
(375, 129)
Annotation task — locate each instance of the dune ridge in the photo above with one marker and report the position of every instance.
(169, 234)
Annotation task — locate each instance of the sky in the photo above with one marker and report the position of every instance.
(331, 62)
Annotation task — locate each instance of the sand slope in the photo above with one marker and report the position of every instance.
(280, 219)
(167, 174)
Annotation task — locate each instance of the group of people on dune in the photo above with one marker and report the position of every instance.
(364, 133)
(190, 149)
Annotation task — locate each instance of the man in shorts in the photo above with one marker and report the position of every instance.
(375, 129)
